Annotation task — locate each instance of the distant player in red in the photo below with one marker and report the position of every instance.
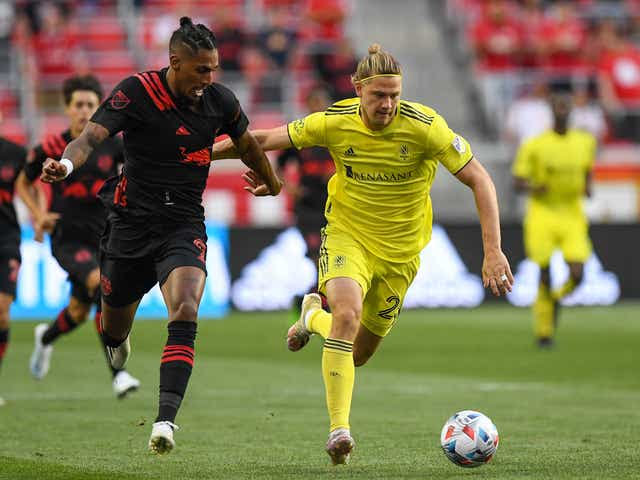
(75, 220)
(156, 231)
(12, 159)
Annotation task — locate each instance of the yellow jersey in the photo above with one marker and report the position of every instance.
(560, 163)
(380, 191)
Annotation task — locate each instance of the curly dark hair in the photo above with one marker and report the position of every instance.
(81, 82)
(193, 36)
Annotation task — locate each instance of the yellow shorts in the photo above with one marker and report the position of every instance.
(384, 284)
(545, 232)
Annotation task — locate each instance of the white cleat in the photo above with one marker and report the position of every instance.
(298, 335)
(41, 356)
(161, 440)
(124, 383)
(339, 446)
(119, 355)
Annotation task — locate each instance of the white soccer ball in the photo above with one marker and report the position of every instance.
(469, 439)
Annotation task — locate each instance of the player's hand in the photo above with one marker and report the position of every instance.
(257, 186)
(45, 223)
(496, 273)
(53, 171)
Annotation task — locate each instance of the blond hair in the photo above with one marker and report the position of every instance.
(376, 63)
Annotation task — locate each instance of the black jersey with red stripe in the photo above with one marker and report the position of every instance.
(82, 215)
(12, 160)
(167, 146)
(315, 167)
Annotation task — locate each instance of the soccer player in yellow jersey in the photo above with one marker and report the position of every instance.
(379, 218)
(555, 169)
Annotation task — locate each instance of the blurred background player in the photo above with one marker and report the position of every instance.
(554, 169)
(379, 218)
(75, 221)
(313, 167)
(156, 232)
(12, 160)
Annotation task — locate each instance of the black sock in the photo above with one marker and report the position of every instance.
(63, 324)
(175, 368)
(98, 323)
(4, 341)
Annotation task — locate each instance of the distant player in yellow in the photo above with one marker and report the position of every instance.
(379, 217)
(555, 169)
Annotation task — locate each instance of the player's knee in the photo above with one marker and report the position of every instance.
(78, 312)
(346, 320)
(186, 311)
(93, 281)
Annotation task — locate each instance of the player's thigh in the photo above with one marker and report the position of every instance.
(575, 244)
(9, 267)
(341, 256)
(124, 281)
(539, 239)
(383, 301)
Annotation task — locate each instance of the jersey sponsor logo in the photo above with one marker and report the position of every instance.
(82, 256)
(459, 145)
(156, 91)
(383, 177)
(6, 173)
(182, 131)
(119, 100)
(105, 162)
(349, 152)
(202, 158)
(105, 285)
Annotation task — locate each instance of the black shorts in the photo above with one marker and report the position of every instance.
(78, 259)
(10, 260)
(134, 257)
(309, 223)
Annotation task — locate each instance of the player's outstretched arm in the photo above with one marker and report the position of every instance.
(496, 272)
(271, 139)
(77, 152)
(260, 178)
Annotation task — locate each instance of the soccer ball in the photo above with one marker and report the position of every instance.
(469, 439)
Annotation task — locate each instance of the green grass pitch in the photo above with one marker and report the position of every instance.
(255, 410)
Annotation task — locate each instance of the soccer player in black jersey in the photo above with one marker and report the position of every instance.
(75, 220)
(12, 159)
(314, 167)
(156, 231)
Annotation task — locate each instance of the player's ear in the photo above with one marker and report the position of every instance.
(174, 61)
(358, 87)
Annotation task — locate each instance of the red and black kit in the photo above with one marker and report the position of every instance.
(76, 238)
(12, 160)
(156, 217)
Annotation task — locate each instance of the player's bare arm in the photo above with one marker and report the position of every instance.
(260, 178)
(523, 185)
(77, 152)
(33, 197)
(269, 139)
(496, 272)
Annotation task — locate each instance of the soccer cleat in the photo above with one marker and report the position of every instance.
(124, 383)
(545, 343)
(339, 446)
(119, 355)
(41, 356)
(161, 440)
(298, 334)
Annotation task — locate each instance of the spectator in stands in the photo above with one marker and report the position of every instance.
(325, 22)
(6, 26)
(586, 114)
(232, 40)
(497, 42)
(335, 68)
(565, 35)
(530, 115)
(265, 82)
(533, 40)
(619, 81)
(277, 40)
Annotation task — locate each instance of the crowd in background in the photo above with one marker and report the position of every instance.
(522, 49)
(272, 57)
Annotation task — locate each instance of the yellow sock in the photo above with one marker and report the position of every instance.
(568, 287)
(543, 313)
(339, 374)
(320, 322)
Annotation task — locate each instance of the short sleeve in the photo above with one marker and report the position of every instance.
(122, 108)
(35, 160)
(449, 148)
(234, 118)
(523, 165)
(309, 131)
